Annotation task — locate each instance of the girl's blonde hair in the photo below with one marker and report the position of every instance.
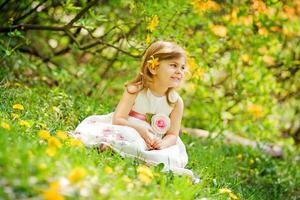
(163, 50)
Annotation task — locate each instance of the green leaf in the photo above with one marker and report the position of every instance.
(149, 117)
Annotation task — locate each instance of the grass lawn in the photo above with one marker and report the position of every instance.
(36, 165)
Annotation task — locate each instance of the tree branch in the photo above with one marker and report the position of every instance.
(30, 12)
(3, 4)
(81, 13)
(25, 27)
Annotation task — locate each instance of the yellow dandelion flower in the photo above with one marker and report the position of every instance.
(61, 134)
(5, 125)
(42, 166)
(245, 58)
(153, 62)
(15, 116)
(225, 190)
(54, 142)
(145, 179)
(77, 174)
(229, 192)
(251, 162)
(154, 22)
(108, 170)
(233, 196)
(18, 106)
(219, 30)
(239, 156)
(43, 134)
(76, 143)
(52, 193)
(145, 174)
(24, 123)
(144, 170)
(51, 151)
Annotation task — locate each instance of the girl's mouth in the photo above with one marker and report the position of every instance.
(176, 78)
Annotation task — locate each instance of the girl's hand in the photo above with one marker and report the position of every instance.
(147, 136)
(157, 143)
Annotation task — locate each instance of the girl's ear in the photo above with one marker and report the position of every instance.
(153, 71)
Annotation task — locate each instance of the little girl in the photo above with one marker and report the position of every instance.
(146, 122)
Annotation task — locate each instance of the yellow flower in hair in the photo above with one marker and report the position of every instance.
(153, 62)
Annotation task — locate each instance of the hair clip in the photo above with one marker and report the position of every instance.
(153, 62)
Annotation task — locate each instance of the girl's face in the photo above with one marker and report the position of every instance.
(170, 73)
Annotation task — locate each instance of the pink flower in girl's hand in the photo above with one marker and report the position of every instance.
(160, 124)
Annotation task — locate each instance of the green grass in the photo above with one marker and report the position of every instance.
(27, 171)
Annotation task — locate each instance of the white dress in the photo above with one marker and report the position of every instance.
(97, 129)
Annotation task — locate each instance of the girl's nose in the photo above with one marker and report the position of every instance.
(180, 71)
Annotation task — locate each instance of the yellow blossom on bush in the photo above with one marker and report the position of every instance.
(145, 174)
(202, 6)
(54, 142)
(255, 110)
(219, 30)
(61, 134)
(246, 20)
(24, 123)
(192, 64)
(154, 22)
(77, 174)
(52, 193)
(5, 125)
(198, 74)
(268, 59)
(43, 134)
(263, 31)
(18, 106)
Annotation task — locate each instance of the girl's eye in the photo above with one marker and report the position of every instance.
(173, 65)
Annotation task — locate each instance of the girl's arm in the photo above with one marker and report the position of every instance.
(172, 134)
(120, 116)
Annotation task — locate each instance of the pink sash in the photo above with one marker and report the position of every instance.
(137, 115)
